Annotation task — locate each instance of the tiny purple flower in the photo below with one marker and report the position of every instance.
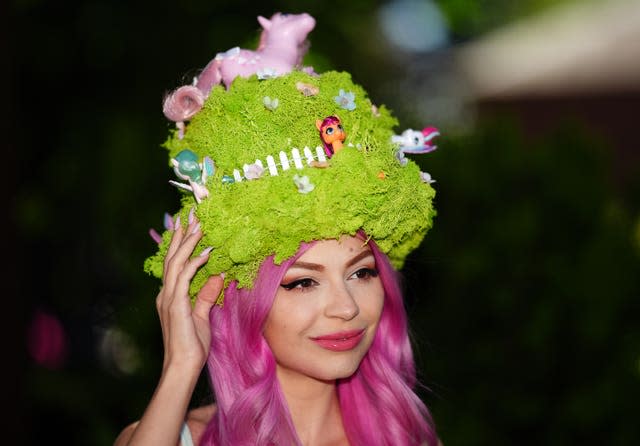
(253, 171)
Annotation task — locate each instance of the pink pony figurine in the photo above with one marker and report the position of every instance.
(332, 134)
(281, 48)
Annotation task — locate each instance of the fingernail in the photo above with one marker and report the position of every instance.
(155, 236)
(196, 228)
(168, 221)
(206, 251)
(191, 213)
(176, 224)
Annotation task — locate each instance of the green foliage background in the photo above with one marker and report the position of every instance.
(523, 298)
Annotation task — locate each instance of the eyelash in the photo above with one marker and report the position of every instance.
(303, 284)
(299, 283)
(369, 272)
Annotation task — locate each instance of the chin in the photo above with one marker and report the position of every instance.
(340, 368)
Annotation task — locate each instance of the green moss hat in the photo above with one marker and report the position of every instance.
(252, 166)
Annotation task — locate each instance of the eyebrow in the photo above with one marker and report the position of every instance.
(318, 267)
(364, 254)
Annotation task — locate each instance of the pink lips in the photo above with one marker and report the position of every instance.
(341, 341)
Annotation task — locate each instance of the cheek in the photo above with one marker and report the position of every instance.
(287, 318)
(378, 305)
(371, 303)
(273, 325)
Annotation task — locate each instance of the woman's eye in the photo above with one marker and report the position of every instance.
(365, 273)
(300, 283)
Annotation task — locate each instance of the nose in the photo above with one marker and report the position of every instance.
(341, 303)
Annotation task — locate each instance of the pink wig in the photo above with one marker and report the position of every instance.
(251, 407)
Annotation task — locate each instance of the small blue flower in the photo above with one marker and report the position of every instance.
(303, 184)
(346, 100)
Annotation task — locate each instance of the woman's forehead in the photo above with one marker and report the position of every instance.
(334, 250)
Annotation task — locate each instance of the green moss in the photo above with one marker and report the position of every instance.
(364, 186)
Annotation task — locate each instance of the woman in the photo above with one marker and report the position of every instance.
(308, 342)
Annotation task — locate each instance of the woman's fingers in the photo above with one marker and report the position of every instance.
(207, 297)
(176, 239)
(178, 260)
(179, 235)
(183, 281)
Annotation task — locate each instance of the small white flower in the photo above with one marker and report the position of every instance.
(303, 184)
(270, 104)
(426, 178)
(266, 73)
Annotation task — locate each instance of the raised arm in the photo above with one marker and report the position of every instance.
(186, 335)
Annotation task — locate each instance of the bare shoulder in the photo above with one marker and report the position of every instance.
(125, 435)
(201, 414)
(198, 419)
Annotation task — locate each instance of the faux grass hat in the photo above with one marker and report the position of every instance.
(269, 154)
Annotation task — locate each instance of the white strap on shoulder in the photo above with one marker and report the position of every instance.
(185, 436)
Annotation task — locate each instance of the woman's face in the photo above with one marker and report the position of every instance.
(326, 310)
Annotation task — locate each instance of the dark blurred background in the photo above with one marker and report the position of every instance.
(524, 298)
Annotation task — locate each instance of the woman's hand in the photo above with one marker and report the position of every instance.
(186, 331)
(186, 334)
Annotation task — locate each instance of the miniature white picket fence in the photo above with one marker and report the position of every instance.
(284, 162)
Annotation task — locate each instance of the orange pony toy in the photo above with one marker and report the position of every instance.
(332, 134)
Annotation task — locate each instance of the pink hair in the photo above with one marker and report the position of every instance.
(251, 407)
